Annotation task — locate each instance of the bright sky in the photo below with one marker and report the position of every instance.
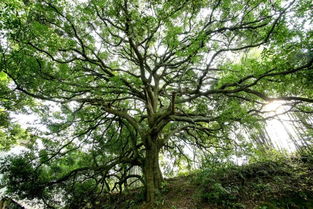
(278, 129)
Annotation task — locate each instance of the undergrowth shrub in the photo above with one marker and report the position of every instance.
(281, 182)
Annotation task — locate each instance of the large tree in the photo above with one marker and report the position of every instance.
(133, 78)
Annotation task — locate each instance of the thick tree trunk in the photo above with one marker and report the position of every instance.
(152, 173)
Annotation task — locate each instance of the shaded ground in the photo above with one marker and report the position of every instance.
(177, 193)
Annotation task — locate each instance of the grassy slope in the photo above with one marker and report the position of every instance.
(282, 184)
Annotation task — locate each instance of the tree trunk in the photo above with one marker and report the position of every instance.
(152, 173)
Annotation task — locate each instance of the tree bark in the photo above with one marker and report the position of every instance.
(152, 173)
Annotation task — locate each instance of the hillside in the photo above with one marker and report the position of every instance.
(270, 184)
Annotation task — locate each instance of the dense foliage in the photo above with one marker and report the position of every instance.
(10, 101)
(119, 83)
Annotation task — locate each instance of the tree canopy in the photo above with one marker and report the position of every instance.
(131, 80)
